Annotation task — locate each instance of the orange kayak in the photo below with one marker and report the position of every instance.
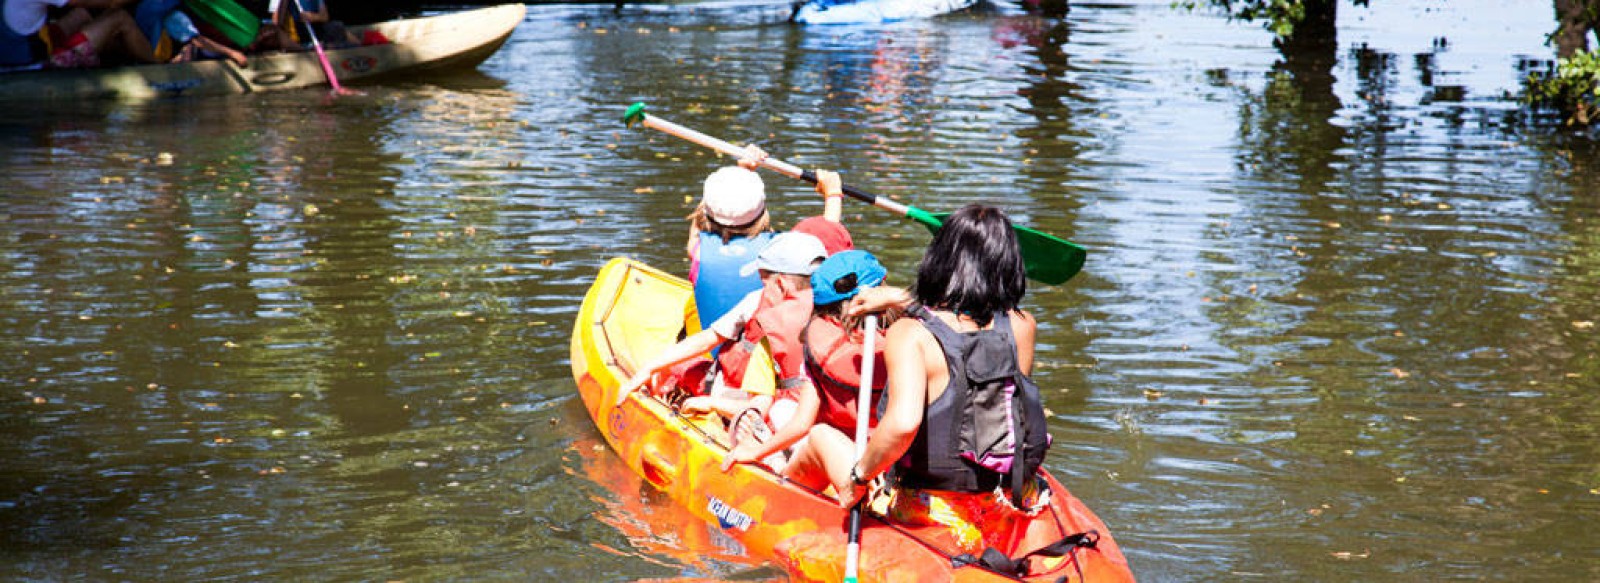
(631, 313)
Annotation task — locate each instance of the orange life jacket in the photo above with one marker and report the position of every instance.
(834, 361)
(778, 320)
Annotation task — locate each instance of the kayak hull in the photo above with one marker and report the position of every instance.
(632, 312)
(461, 39)
(873, 11)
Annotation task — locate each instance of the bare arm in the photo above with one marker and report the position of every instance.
(237, 57)
(320, 16)
(879, 299)
(905, 356)
(693, 346)
(832, 190)
(1023, 327)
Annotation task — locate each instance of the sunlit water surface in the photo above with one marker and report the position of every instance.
(1337, 324)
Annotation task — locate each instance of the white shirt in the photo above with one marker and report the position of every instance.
(732, 323)
(26, 17)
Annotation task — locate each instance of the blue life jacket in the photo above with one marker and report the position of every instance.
(15, 49)
(718, 285)
(150, 14)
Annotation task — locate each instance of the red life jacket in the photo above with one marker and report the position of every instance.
(778, 320)
(834, 362)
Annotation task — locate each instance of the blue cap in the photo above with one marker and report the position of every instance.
(826, 287)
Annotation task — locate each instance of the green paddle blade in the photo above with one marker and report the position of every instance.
(1047, 258)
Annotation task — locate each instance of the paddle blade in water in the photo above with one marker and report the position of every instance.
(1048, 258)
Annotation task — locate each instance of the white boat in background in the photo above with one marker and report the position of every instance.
(460, 39)
(871, 11)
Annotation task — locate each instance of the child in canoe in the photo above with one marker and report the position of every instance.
(75, 38)
(731, 225)
(844, 288)
(771, 316)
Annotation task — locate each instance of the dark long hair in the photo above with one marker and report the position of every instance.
(973, 266)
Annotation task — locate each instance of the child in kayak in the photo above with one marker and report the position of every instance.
(174, 36)
(77, 39)
(824, 423)
(772, 316)
(731, 225)
(294, 16)
(964, 426)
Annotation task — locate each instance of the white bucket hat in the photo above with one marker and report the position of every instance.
(734, 197)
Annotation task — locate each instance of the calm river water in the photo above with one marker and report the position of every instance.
(1336, 324)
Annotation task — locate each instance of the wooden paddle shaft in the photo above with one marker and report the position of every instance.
(774, 164)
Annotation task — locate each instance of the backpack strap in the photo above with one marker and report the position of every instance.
(1002, 327)
(997, 561)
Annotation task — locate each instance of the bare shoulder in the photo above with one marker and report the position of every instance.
(908, 338)
(1023, 323)
(907, 330)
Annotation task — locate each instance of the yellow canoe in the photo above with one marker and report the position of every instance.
(631, 313)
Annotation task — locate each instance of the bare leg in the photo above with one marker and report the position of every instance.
(118, 27)
(824, 459)
(74, 21)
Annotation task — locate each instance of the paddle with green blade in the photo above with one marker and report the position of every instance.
(1048, 258)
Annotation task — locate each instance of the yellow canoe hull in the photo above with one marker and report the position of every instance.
(631, 313)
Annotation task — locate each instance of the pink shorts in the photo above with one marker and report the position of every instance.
(79, 53)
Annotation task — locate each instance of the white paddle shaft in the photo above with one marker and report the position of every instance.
(869, 330)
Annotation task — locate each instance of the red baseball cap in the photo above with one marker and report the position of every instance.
(833, 235)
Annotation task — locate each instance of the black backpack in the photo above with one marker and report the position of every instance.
(998, 428)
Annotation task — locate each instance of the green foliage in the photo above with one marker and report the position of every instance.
(1278, 16)
(1572, 90)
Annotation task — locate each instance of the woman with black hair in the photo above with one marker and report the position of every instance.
(963, 427)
